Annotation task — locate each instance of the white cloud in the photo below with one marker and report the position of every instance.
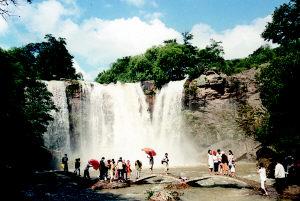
(102, 41)
(137, 3)
(3, 25)
(238, 42)
(152, 16)
(43, 18)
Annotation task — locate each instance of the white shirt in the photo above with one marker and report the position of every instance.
(262, 174)
(279, 171)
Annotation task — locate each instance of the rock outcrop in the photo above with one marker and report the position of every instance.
(223, 112)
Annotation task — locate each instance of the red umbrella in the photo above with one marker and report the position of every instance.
(94, 163)
(149, 151)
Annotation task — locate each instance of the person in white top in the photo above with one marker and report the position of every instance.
(210, 161)
(263, 177)
(279, 177)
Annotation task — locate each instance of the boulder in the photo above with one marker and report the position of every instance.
(109, 185)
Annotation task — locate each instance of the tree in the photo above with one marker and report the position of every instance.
(285, 25)
(210, 57)
(279, 81)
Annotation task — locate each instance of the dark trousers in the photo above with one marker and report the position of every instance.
(86, 174)
(280, 185)
(66, 168)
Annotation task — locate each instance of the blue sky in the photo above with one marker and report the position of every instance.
(99, 31)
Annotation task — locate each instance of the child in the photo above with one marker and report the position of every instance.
(263, 177)
(77, 166)
(232, 170)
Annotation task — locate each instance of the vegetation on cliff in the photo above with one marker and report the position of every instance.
(26, 102)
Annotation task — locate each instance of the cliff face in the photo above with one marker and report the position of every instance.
(223, 112)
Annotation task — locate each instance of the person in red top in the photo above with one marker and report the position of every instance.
(128, 169)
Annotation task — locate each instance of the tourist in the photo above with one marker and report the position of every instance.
(219, 157)
(230, 158)
(112, 169)
(224, 163)
(165, 161)
(216, 162)
(128, 169)
(120, 168)
(86, 172)
(279, 177)
(64, 161)
(151, 162)
(124, 170)
(102, 169)
(77, 166)
(263, 177)
(232, 170)
(210, 161)
(138, 167)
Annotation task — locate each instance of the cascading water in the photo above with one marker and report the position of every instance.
(113, 121)
(57, 137)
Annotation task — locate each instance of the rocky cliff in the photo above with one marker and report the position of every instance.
(223, 112)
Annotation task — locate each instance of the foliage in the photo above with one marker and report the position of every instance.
(24, 113)
(279, 81)
(164, 63)
(26, 102)
(284, 27)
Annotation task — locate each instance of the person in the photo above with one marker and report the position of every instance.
(263, 177)
(138, 167)
(128, 169)
(219, 158)
(230, 159)
(216, 162)
(210, 161)
(224, 163)
(112, 169)
(102, 169)
(279, 177)
(86, 172)
(232, 170)
(120, 168)
(77, 166)
(165, 161)
(151, 162)
(64, 161)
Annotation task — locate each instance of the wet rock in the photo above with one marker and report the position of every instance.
(109, 185)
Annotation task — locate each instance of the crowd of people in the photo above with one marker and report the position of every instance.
(112, 170)
(220, 163)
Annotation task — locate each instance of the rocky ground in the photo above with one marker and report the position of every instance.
(189, 183)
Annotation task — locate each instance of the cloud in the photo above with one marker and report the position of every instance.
(152, 16)
(137, 3)
(3, 25)
(103, 41)
(238, 42)
(43, 18)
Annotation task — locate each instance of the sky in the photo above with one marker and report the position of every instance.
(98, 32)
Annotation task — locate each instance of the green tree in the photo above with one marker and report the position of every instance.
(279, 81)
(285, 24)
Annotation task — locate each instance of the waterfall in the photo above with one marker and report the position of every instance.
(57, 136)
(113, 121)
